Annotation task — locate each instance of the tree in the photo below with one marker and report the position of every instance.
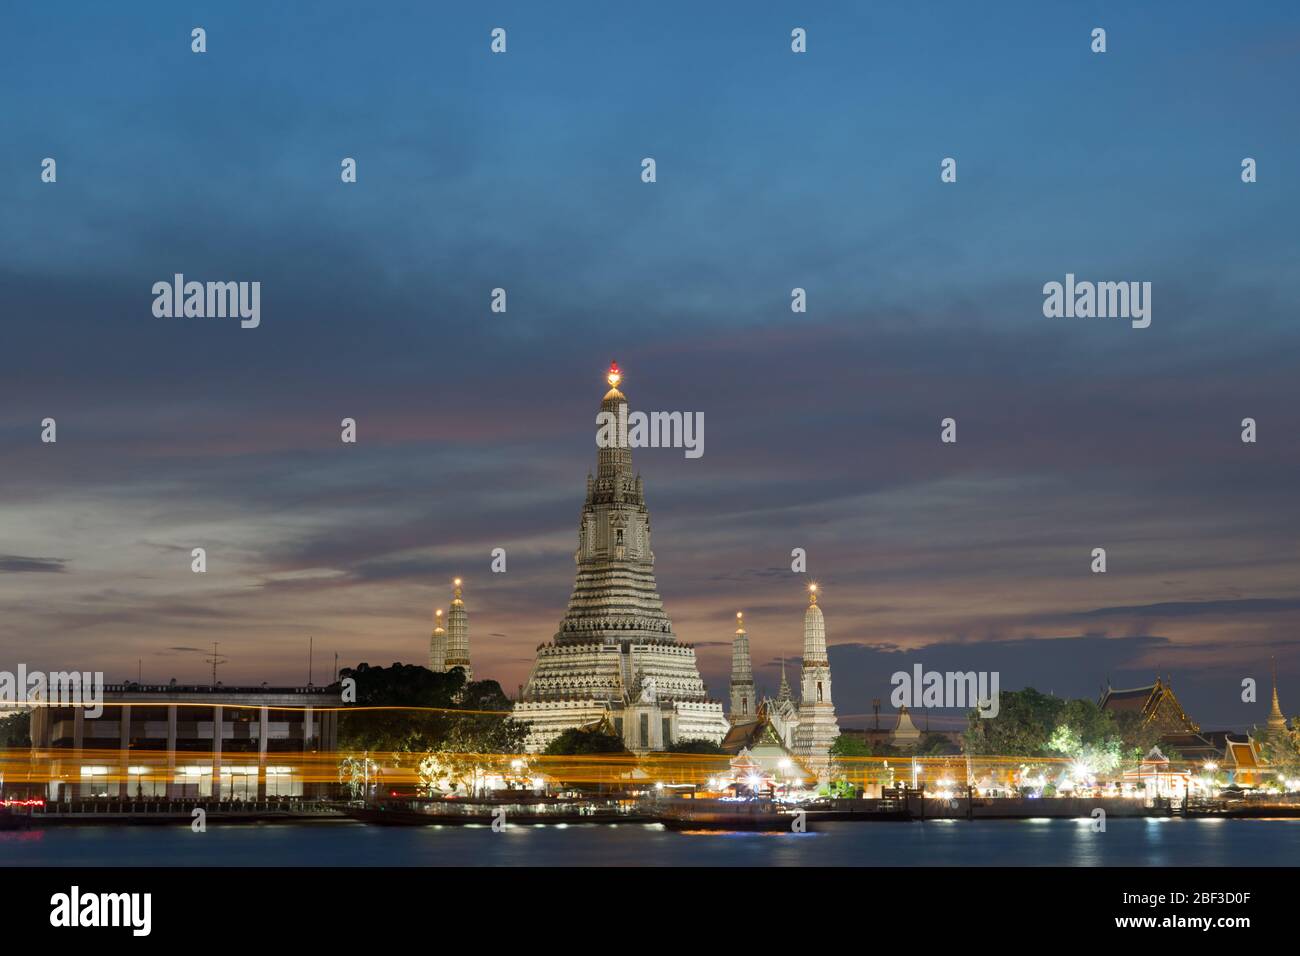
(849, 746)
(1025, 722)
(489, 731)
(16, 730)
(483, 726)
(1032, 724)
(1283, 754)
(1091, 759)
(1092, 724)
(695, 747)
(838, 790)
(936, 745)
(578, 742)
(1138, 734)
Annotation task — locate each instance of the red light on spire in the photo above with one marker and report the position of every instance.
(614, 376)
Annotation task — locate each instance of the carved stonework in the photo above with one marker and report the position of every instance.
(615, 633)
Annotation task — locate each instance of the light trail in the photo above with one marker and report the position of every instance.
(22, 768)
(231, 705)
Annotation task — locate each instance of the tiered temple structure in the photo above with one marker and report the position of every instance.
(615, 657)
(438, 645)
(818, 727)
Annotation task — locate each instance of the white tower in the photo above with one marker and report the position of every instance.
(438, 645)
(818, 727)
(458, 635)
(816, 671)
(743, 707)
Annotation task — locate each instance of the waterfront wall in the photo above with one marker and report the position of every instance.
(1014, 808)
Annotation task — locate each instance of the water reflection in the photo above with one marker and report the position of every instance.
(1039, 842)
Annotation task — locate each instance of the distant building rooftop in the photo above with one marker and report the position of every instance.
(218, 693)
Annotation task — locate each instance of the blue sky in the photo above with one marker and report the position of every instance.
(774, 170)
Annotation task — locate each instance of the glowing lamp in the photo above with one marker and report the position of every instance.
(614, 376)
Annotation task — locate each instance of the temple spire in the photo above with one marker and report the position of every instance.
(742, 675)
(784, 693)
(438, 645)
(817, 727)
(614, 458)
(458, 634)
(1276, 720)
(814, 643)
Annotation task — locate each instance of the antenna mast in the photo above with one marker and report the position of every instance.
(214, 660)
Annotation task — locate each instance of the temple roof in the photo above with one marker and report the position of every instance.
(1154, 702)
(1134, 699)
(783, 694)
(1243, 754)
(1218, 739)
(750, 735)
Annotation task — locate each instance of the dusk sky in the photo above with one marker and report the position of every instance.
(476, 429)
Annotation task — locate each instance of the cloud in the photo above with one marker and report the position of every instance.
(18, 564)
(1197, 608)
(476, 430)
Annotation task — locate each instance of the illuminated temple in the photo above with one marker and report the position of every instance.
(449, 647)
(615, 657)
(805, 727)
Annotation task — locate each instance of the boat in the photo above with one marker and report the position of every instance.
(745, 815)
